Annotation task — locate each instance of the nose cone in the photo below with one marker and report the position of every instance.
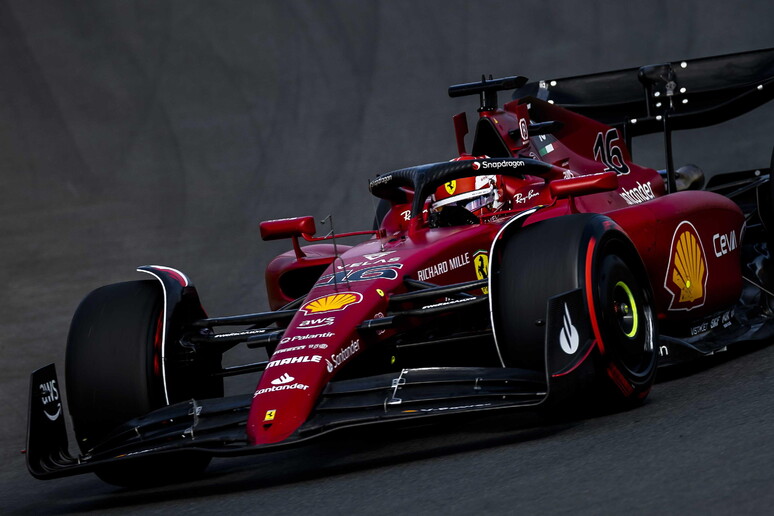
(320, 340)
(282, 403)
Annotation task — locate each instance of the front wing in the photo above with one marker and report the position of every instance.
(216, 427)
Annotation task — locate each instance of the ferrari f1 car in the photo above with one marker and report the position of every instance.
(541, 267)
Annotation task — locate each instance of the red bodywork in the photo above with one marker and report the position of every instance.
(688, 243)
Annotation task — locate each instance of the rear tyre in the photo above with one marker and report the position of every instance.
(551, 258)
(626, 325)
(768, 221)
(761, 261)
(381, 211)
(113, 372)
(765, 204)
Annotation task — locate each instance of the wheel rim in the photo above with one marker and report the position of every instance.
(629, 320)
(636, 349)
(625, 308)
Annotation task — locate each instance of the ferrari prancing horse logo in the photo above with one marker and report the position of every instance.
(451, 187)
(481, 263)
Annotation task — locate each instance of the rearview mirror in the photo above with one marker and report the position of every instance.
(584, 185)
(287, 228)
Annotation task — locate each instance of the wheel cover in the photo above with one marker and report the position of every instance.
(628, 330)
(625, 307)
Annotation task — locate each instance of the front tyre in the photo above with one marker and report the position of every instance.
(114, 373)
(612, 361)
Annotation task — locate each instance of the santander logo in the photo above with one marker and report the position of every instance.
(285, 378)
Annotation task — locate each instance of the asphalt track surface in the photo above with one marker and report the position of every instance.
(162, 132)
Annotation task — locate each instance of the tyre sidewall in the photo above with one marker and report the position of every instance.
(627, 364)
(112, 364)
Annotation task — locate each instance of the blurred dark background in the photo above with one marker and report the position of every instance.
(139, 132)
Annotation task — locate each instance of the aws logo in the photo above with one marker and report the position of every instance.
(317, 323)
(49, 397)
(687, 273)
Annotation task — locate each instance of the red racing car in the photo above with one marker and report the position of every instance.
(540, 267)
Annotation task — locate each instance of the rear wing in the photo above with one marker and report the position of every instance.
(665, 97)
(695, 93)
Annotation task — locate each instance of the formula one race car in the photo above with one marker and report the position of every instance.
(541, 267)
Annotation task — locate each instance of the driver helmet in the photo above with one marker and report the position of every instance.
(479, 195)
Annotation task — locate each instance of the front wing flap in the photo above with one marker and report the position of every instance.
(217, 426)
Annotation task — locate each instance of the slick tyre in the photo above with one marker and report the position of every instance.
(765, 205)
(625, 330)
(113, 372)
(585, 253)
(381, 211)
(534, 264)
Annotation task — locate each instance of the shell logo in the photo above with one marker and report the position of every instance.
(687, 272)
(332, 302)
